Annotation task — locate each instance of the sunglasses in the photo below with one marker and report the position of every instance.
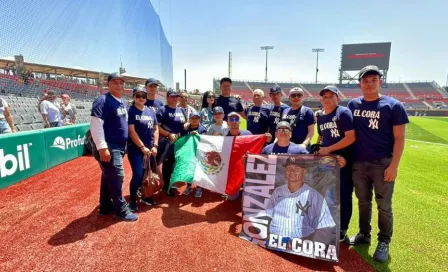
(284, 130)
(210, 97)
(295, 95)
(234, 119)
(140, 96)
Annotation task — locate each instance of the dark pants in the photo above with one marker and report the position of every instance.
(167, 170)
(346, 191)
(111, 190)
(136, 159)
(368, 176)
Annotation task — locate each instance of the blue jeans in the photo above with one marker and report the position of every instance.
(4, 127)
(369, 176)
(112, 176)
(136, 159)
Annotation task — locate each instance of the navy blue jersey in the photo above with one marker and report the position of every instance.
(171, 119)
(257, 119)
(242, 133)
(292, 148)
(154, 104)
(299, 119)
(200, 129)
(144, 122)
(229, 104)
(114, 114)
(332, 128)
(275, 116)
(374, 122)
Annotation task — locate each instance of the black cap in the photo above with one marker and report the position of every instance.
(218, 110)
(151, 81)
(329, 88)
(138, 90)
(114, 76)
(369, 70)
(275, 89)
(171, 92)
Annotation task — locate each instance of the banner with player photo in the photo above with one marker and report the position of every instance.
(291, 204)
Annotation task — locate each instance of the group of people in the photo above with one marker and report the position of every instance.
(367, 137)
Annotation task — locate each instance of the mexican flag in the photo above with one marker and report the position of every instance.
(214, 163)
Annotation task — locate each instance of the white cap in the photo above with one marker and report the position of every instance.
(295, 91)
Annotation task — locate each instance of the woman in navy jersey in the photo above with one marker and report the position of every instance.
(208, 103)
(143, 133)
(171, 126)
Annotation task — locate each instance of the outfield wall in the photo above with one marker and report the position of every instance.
(25, 154)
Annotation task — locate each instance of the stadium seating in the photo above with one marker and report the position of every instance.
(423, 89)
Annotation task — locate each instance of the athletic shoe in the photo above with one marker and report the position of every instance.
(343, 238)
(359, 239)
(198, 193)
(148, 201)
(382, 252)
(188, 190)
(133, 206)
(127, 216)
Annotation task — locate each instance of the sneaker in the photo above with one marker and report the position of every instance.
(139, 192)
(359, 239)
(188, 190)
(148, 201)
(133, 206)
(343, 238)
(382, 252)
(127, 216)
(198, 193)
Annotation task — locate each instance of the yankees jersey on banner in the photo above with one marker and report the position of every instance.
(257, 119)
(332, 128)
(297, 214)
(374, 121)
(299, 119)
(144, 122)
(275, 115)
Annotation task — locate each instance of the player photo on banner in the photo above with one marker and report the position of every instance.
(291, 204)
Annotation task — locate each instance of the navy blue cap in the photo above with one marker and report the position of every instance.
(138, 90)
(329, 88)
(275, 89)
(218, 110)
(114, 76)
(194, 113)
(171, 92)
(151, 81)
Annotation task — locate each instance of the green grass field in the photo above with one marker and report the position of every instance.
(420, 202)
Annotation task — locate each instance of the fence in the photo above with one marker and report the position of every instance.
(28, 153)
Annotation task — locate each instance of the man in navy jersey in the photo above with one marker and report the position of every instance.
(227, 102)
(257, 115)
(171, 119)
(283, 144)
(109, 128)
(151, 85)
(337, 134)
(380, 124)
(276, 110)
(301, 118)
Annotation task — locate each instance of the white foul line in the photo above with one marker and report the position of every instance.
(426, 142)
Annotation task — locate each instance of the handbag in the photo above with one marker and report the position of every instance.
(152, 179)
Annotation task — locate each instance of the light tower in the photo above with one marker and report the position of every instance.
(317, 50)
(269, 47)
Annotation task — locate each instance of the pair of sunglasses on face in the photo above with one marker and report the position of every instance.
(140, 96)
(234, 119)
(295, 95)
(210, 96)
(284, 130)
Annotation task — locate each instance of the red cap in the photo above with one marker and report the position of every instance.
(65, 96)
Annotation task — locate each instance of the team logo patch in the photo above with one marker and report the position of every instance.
(211, 162)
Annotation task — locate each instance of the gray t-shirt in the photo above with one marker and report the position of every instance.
(218, 130)
(71, 110)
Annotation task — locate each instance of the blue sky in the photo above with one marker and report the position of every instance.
(202, 32)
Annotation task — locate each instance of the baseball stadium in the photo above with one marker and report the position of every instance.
(52, 171)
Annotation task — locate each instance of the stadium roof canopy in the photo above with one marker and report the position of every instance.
(75, 71)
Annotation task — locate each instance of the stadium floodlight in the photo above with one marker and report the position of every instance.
(317, 50)
(267, 48)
